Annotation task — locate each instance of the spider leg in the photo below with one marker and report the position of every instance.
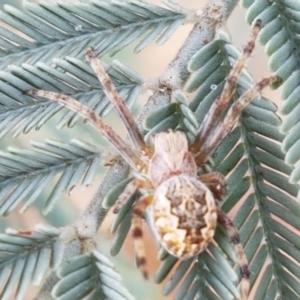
(223, 128)
(225, 221)
(129, 190)
(220, 104)
(117, 101)
(137, 233)
(131, 157)
(216, 182)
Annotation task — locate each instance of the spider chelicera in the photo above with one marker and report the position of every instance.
(183, 208)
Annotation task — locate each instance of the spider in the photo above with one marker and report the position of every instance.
(182, 206)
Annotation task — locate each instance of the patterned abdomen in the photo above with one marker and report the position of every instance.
(184, 216)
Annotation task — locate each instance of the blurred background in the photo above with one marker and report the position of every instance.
(68, 209)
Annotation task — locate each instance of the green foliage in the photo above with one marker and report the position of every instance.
(33, 170)
(26, 256)
(89, 275)
(67, 29)
(280, 35)
(50, 56)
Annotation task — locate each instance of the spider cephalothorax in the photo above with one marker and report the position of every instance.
(183, 206)
(171, 157)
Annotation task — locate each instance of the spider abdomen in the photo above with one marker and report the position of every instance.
(184, 216)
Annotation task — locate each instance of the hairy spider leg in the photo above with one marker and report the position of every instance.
(119, 104)
(220, 104)
(217, 183)
(129, 190)
(137, 232)
(223, 128)
(136, 222)
(234, 236)
(131, 157)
